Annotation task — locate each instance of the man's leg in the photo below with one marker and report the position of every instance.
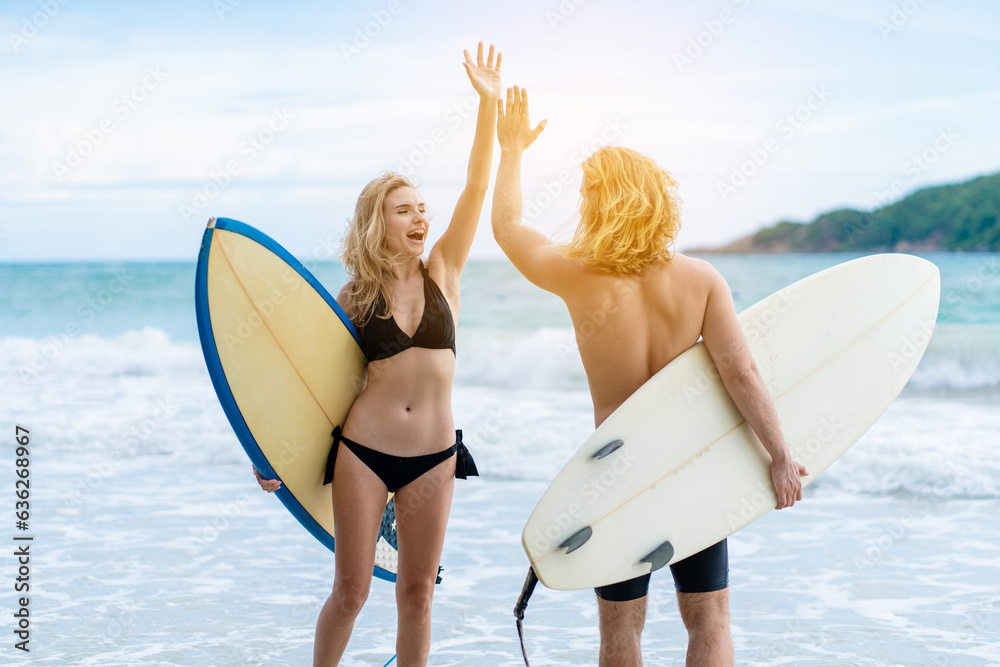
(621, 610)
(706, 617)
(702, 583)
(621, 630)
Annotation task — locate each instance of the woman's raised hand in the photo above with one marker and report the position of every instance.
(513, 128)
(485, 78)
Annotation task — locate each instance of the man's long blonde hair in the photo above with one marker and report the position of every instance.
(367, 261)
(630, 213)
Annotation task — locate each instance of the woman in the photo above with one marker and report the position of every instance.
(400, 434)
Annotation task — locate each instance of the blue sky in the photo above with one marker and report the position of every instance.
(124, 127)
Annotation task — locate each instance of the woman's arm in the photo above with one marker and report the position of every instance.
(534, 255)
(269, 485)
(452, 249)
(727, 345)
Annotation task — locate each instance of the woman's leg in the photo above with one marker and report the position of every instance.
(422, 509)
(358, 503)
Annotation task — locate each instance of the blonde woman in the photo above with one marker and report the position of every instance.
(655, 303)
(400, 434)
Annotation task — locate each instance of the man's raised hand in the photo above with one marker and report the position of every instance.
(513, 127)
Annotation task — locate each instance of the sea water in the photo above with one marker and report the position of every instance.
(153, 545)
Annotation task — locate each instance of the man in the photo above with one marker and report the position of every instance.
(655, 304)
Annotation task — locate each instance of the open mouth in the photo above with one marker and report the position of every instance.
(417, 235)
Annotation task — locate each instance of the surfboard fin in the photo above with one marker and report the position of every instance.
(659, 556)
(577, 539)
(607, 449)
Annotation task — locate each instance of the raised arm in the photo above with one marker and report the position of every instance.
(452, 249)
(534, 255)
(728, 347)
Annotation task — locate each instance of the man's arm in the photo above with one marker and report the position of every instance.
(534, 255)
(728, 347)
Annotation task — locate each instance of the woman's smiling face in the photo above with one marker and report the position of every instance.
(406, 222)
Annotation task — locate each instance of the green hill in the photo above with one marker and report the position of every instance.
(964, 216)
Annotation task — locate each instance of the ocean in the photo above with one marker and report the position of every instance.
(153, 545)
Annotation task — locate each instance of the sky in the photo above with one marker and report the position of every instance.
(125, 126)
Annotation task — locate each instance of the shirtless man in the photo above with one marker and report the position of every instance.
(657, 303)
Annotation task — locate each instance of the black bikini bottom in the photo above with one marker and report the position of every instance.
(398, 471)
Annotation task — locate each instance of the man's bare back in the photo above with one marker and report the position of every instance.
(628, 328)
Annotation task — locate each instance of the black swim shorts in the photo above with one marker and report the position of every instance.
(704, 572)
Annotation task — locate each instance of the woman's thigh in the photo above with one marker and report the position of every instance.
(422, 509)
(359, 498)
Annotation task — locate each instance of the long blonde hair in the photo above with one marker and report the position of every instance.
(630, 213)
(366, 259)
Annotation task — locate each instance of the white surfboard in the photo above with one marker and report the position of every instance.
(676, 468)
(286, 364)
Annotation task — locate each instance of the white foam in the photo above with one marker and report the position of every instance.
(545, 358)
(521, 400)
(960, 358)
(935, 448)
(135, 353)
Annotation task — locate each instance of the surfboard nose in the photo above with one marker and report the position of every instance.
(915, 268)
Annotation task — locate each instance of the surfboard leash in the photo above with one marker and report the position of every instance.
(390, 661)
(522, 604)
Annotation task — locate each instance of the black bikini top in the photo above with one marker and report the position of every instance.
(383, 338)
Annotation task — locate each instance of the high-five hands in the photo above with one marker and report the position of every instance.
(485, 78)
(513, 127)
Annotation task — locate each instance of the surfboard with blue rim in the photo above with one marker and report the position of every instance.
(286, 363)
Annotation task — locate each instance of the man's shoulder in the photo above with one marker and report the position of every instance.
(693, 268)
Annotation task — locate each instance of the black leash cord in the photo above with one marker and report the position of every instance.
(522, 603)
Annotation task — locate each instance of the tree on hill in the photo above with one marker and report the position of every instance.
(964, 216)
